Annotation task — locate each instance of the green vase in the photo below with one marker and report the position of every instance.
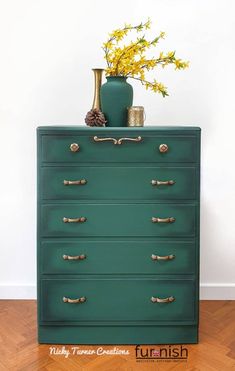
(116, 95)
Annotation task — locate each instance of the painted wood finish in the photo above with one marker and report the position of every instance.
(117, 257)
(118, 183)
(56, 148)
(127, 220)
(118, 299)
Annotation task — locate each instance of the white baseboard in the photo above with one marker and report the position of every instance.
(18, 292)
(217, 291)
(208, 291)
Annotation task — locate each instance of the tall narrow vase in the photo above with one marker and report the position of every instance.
(116, 96)
(98, 80)
(95, 117)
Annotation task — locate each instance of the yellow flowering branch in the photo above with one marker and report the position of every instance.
(125, 50)
(119, 34)
(131, 60)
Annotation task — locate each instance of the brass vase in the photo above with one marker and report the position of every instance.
(98, 80)
(95, 116)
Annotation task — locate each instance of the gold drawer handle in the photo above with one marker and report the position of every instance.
(74, 301)
(163, 148)
(165, 220)
(76, 257)
(75, 182)
(161, 182)
(75, 220)
(117, 141)
(166, 257)
(74, 147)
(96, 139)
(170, 299)
(138, 139)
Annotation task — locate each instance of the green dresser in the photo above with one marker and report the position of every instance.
(118, 235)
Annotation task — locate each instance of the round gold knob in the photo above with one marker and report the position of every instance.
(163, 148)
(74, 147)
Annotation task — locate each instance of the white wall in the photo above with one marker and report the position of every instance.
(47, 50)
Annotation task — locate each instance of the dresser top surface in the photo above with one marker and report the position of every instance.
(146, 129)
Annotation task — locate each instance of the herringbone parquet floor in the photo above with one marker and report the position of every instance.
(19, 349)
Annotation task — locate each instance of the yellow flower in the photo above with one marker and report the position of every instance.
(148, 24)
(108, 45)
(118, 34)
(179, 64)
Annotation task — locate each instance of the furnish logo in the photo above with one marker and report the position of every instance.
(161, 354)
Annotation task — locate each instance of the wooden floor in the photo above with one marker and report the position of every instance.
(19, 349)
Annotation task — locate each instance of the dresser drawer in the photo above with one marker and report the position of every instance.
(56, 148)
(113, 183)
(117, 299)
(118, 220)
(112, 257)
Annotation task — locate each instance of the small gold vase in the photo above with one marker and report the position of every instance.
(135, 116)
(98, 80)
